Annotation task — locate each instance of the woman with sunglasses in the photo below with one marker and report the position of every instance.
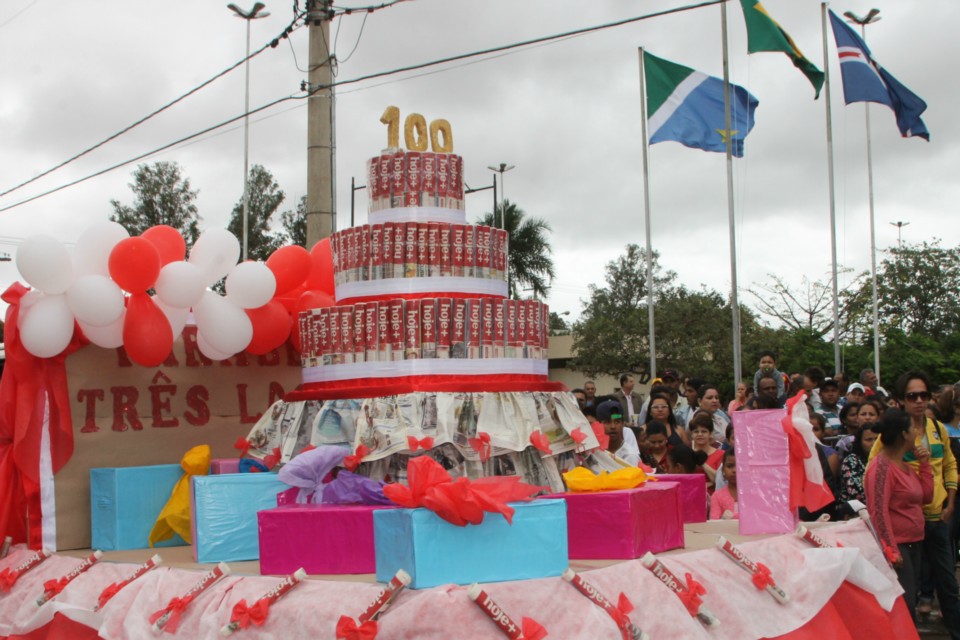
(658, 410)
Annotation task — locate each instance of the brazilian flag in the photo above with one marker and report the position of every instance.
(764, 34)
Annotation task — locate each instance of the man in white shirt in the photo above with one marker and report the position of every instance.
(623, 443)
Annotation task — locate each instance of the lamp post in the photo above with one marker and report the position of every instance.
(502, 169)
(254, 14)
(871, 17)
(899, 224)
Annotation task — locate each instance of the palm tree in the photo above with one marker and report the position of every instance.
(530, 264)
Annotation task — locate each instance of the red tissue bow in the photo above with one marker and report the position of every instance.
(578, 435)
(762, 578)
(690, 597)
(540, 441)
(175, 608)
(602, 436)
(532, 630)
(109, 592)
(348, 629)
(7, 579)
(424, 443)
(53, 587)
(621, 612)
(350, 463)
(481, 444)
(243, 445)
(271, 460)
(245, 615)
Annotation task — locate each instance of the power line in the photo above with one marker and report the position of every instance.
(371, 76)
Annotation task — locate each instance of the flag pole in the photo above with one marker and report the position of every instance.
(646, 215)
(832, 195)
(734, 305)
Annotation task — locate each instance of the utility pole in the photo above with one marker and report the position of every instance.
(321, 147)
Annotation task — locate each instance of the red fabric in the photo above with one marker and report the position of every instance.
(245, 615)
(60, 628)
(348, 629)
(25, 381)
(272, 458)
(690, 597)
(532, 630)
(350, 463)
(481, 444)
(602, 436)
(540, 440)
(8, 577)
(243, 445)
(53, 587)
(803, 492)
(175, 608)
(379, 387)
(424, 443)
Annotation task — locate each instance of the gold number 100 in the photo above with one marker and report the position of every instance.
(415, 132)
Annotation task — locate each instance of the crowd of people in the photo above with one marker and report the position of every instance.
(892, 453)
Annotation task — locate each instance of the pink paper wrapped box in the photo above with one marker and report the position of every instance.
(763, 473)
(322, 538)
(693, 494)
(624, 524)
(224, 465)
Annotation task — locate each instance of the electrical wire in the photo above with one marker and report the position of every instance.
(17, 14)
(357, 44)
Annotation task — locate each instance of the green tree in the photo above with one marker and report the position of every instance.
(558, 326)
(295, 224)
(161, 196)
(264, 199)
(530, 264)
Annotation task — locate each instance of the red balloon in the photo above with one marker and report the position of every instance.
(290, 265)
(134, 264)
(147, 336)
(169, 243)
(321, 275)
(271, 327)
(314, 300)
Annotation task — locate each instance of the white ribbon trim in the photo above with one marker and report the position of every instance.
(438, 285)
(425, 367)
(417, 214)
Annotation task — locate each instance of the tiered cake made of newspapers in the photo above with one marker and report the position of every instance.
(424, 347)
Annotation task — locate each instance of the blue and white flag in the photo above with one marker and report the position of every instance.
(866, 81)
(686, 106)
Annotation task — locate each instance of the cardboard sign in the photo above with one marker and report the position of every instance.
(125, 415)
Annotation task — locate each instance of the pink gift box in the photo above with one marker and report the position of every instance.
(324, 539)
(624, 524)
(763, 473)
(693, 494)
(224, 465)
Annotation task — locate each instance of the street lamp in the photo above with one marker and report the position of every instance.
(899, 224)
(502, 169)
(254, 14)
(871, 17)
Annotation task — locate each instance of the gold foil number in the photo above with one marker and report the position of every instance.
(415, 132)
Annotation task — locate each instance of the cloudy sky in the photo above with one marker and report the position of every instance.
(565, 114)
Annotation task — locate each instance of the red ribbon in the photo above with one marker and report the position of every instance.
(272, 458)
(540, 441)
(7, 579)
(309, 447)
(377, 387)
(350, 463)
(762, 578)
(347, 629)
(621, 613)
(175, 608)
(243, 445)
(578, 435)
(481, 444)
(107, 594)
(53, 587)
(532, 630)
(244, 615)
(690, 597)
(602, 436)
(424, 443)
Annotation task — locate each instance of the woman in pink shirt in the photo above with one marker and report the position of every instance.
(895, 498)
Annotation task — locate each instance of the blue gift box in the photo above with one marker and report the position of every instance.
(125, 503)
(435, 552)
(225, 510)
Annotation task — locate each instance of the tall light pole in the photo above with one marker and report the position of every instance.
(899, 224)
(871, 17)
(254, 14)
(502, 169)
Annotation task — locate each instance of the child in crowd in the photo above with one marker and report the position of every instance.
(723, 503)
(684, 460)
(768, 369)
(655, 454)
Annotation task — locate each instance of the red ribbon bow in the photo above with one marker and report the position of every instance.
(7, 579)
(107, 594)
(578, 435)
(762, 578)
(347, 629)
(540, 441)
(690, 597)
(350, 463)
(481, 444)
(424, 443)
(243, 445)
(532, 630)
(53, 587)
(244, 615)
(621, 612)
(175, 608)
(602, 436)
(272, 458)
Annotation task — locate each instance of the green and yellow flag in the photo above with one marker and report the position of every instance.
(764, 34)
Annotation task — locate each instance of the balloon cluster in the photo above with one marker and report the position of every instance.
(103, 289)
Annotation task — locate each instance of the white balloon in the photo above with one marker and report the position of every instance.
(224, 325)
(108, 337)
(92, 253)
(250, 285)
(176, 316)
(45, 264)
(216, 252)
(180, 284)
(95, 300)
(209, 351)
(48, 328)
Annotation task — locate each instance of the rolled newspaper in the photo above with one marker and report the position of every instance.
(115, 588)
(761, 576)
(628, 630)
(168, 618)
(689, 597)
(9, 577)
(53, 587)
(6, 546)
(805, 534)
(267, 599)
(397, 584)
(510, 628)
